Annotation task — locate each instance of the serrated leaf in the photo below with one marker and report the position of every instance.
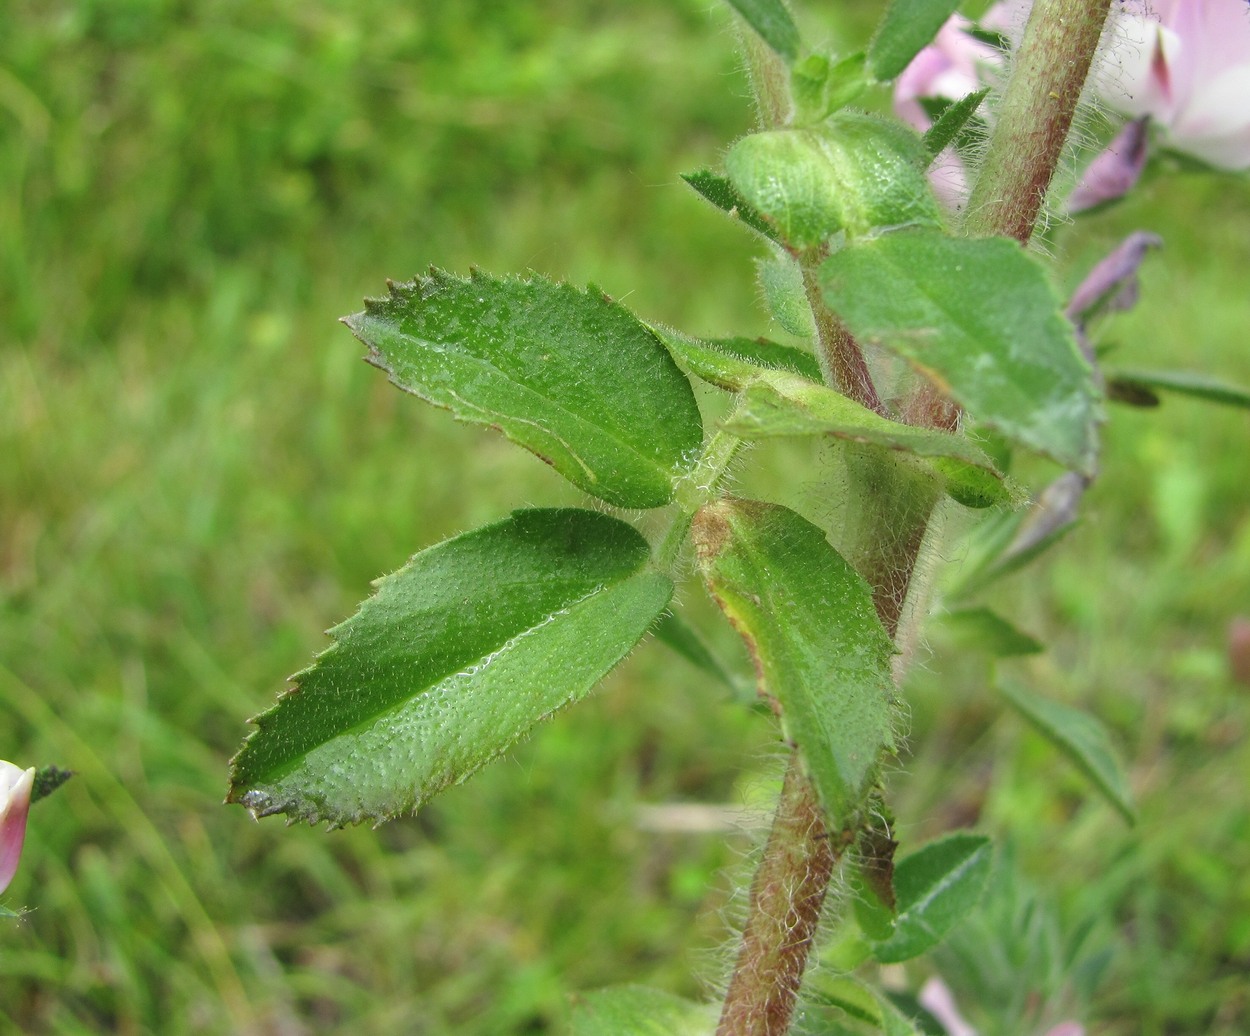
(773, 24)
(455, 658)
(570, 375)
(854, 173)
(677, 634)
(821, 653)
(1081, 737)
(730, 363)
(1185, 383)
(936, 887)
(907, 27)
(639, 1011)
(978, 317)
(980, 629)
(779, 404)
(721, 193)
(950, 124)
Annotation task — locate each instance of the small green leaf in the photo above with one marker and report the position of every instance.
(808, 621)
(951, 123)
(781, 280)
(721, 193)
(907, 27)
(639, 1011)
(673, 631)
(773, 24)
(455, 658)
(861, 1002)
(1079, 736)
(978, 317)
(979, 629)
(854, 173)
(572, 376)
(819, 86)
(730, 363)
(780, 404)
(1185, 383)
(936, 887)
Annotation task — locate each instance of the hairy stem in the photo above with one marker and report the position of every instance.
(1035, 116)
(786, 899)
(800, 857)
(841, 360)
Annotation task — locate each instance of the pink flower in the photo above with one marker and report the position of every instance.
(1114, 172)
(16, 785)
(936, 998)
(951, 67)
(1186, 64)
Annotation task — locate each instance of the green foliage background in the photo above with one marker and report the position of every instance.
(197, 475)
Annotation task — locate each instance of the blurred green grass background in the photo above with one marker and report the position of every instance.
(198, 475)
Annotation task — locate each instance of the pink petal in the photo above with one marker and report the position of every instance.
(1114, 172)
(936, 998)
(16, 785)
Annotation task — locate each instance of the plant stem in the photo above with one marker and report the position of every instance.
(787, 894)
(800, 857)
(1035, 116)
(841, 360)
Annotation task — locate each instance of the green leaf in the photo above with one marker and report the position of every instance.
(979, 317)
(455, 658)
(859, 1001)
(730, 363)
(721, 193)
(639, 1011)
(854, 173)
(950, 124)
(820, 85)
(936, 887)
(1185, 383)
(808, 621)
(678, 635)
(780, 404)
(979, 629)
(572, 376)
(781, 281)
(907, 27)
(773, 24)
(1079, 736)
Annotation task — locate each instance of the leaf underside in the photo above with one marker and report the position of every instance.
(808, 621)
(570, 375)
(781, 404)
(455, 658)
(730, 363)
